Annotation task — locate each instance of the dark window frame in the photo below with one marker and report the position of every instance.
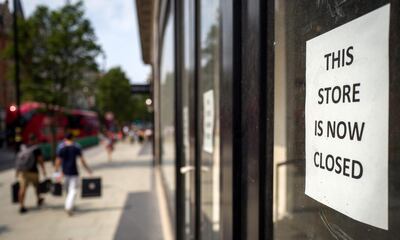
(179, 149)
(193, 121)
(247, 113)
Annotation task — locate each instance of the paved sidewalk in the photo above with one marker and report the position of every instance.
(128, 209)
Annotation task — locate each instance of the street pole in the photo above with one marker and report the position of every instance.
(18, 129)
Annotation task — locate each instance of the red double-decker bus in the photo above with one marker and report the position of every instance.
(40, 121)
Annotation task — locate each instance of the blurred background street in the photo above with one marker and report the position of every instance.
(64, 72)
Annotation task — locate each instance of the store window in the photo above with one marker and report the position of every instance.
(296, 215)
(209, 92)
(188, 115)
(167, 110)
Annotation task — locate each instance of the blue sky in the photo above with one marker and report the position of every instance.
(115, 24)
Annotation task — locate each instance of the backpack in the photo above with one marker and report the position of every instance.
(25, 158)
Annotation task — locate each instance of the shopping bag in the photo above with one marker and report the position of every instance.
(14, 192)
(56, 189)
(91, 187)
(44, 186)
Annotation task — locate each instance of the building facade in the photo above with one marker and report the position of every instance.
(276, 119)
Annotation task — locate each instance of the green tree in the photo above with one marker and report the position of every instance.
(114, 95)
(58, 50)
(139, 108)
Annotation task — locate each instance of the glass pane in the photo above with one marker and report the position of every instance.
(167, 110)
(297, 216)
(209, 112)
(187, 86)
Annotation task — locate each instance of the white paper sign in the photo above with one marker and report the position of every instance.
(347, 104)
(208, 121)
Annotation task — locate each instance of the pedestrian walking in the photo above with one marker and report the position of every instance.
(110, 140)
(67, 154)
(28, 157)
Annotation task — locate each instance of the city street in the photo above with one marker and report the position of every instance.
(128, 209)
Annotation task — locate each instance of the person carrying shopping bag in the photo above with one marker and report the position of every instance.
(27, 171)
(67, 154)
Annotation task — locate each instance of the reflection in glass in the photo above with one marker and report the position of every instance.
(187, 112)
(297, 216)
(209, 80)
(167, 110)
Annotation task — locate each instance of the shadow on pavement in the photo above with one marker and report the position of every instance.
(79, 210)
(141, 220)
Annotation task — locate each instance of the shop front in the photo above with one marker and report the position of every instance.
(276, 119)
